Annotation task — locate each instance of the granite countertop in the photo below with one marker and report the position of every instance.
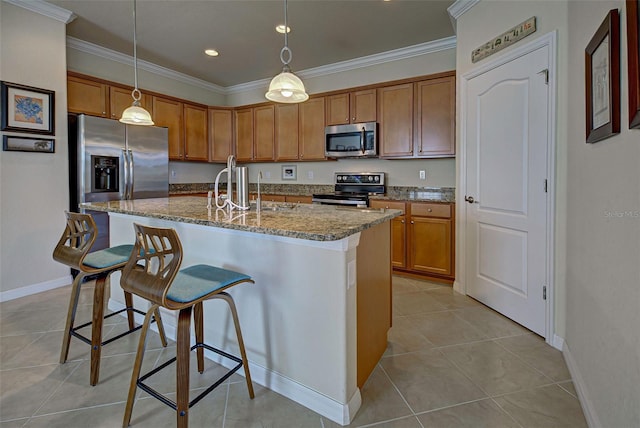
(302, 221)
(399, 193)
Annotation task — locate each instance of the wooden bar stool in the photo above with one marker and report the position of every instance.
(73, 250)
(153, 272)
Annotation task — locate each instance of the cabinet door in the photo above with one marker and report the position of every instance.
(168, 113)
(435, 117)
(87, 96)
(287, 132)
(363, 106)
(120, 99)
(311, 140)
(244, 134)
(298, 199)
(264, 133)
(196, 144)
(398, 232)
(337, 107)
(395, 114)
(430, 243)
(220, 135)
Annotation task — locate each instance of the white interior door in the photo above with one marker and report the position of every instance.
(506, 185)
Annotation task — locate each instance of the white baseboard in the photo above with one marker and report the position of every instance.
(28, 290)
(339, 413)
(583, 395)
(557, 342)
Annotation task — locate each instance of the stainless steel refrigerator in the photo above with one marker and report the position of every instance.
(109, 160)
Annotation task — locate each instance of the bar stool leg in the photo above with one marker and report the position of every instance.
(71, 316)
(96, 329)
(163, 338)
(245, 364)
(183, 347)
(137, 366)
(128, 301)
(198, 319)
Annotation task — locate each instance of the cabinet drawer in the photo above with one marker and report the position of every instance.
(431, 210)
(393, 205)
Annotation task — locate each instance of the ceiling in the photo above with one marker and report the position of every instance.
(175, 33)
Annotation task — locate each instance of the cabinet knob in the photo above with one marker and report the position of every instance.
(412, 222)
(402, 221)
(429, 209)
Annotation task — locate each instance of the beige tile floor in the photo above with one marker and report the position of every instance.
(451, 362)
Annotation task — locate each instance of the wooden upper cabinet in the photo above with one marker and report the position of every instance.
(287, 128)
(363, 106)
(167, 112)
(311, 131)
(196, 143)
(337, 107)
(220, 134)
(264, 133)
(87, 96)
(244, 134)
(395, 113)
(354, 107)
(435, 117)
(120, 99)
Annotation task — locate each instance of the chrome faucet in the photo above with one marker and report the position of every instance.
(259, 200)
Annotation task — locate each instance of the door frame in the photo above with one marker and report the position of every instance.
(549, 40)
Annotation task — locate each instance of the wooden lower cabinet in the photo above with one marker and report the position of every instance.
(422, 239)
(296, 199)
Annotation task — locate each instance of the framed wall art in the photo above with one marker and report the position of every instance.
(289, 172)
(27, 109)
(633, 59)
(602, 79)
(11, 143)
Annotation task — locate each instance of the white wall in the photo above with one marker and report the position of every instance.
(603, 240)
(33, 186)
(488, 19)
(598, 211)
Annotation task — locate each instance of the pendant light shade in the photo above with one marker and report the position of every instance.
(136, 115)
(286, 87)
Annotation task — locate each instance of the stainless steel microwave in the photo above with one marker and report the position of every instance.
(352, 141)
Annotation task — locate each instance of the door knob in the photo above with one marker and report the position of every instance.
(470, 199)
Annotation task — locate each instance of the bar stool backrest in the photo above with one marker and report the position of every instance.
(76, 240)
(154, 263)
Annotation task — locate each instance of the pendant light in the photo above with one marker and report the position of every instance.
(286, 87)
(136, 115)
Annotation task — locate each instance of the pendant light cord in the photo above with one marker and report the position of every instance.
(286, 49)
(136, 92)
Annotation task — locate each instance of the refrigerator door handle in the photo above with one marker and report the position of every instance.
(127, 178)
(131, 178)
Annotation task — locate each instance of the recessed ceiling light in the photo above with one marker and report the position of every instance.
(280, 29)
(211, 52)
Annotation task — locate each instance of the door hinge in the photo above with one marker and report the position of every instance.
(546, 185)
(546, 75)
(544, 292)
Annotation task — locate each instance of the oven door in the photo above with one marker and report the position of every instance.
(349, 201)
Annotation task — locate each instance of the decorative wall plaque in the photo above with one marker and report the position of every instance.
(505, 39)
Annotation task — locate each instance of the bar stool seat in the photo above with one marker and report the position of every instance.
(153, 272)
(73, 250)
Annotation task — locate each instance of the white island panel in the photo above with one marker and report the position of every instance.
(298, 320)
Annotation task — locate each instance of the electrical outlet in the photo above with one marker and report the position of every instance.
(173, 173)
(310, 175)
(423, 174)
(267, 174)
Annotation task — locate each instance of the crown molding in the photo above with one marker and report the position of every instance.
(93, 49)
(47, 9)
(362, 62)
(459, 8)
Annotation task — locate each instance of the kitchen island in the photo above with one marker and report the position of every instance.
(315, 322)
